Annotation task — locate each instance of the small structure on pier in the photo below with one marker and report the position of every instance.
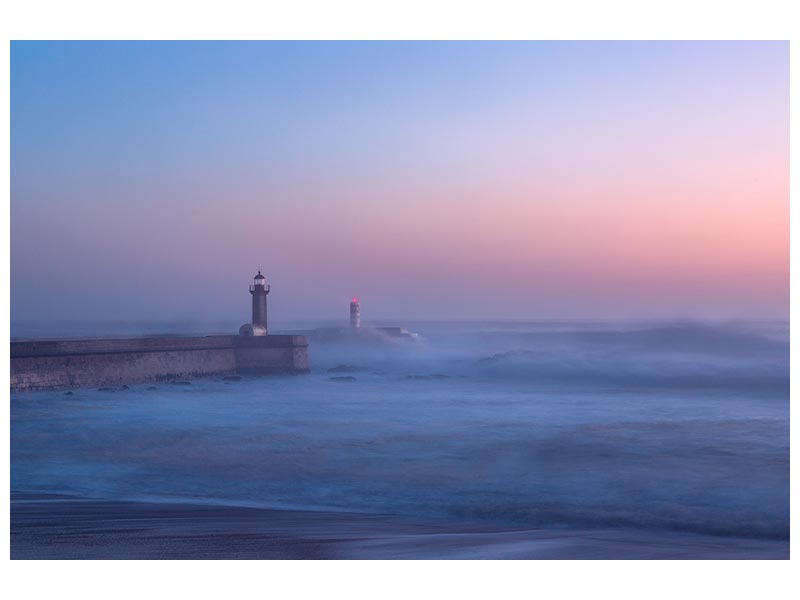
(355, 313)
(356, 333)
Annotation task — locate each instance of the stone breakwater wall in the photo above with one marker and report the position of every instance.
(51, 364)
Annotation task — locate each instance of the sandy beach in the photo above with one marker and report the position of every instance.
(64, 527)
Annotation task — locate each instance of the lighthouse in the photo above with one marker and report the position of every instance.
(355, 313)
(258, 290)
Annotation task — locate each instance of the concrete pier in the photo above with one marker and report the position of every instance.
(51, 364)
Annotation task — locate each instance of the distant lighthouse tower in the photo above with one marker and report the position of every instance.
(259, 291)
(355, 313)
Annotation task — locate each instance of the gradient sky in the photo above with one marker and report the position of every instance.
(433, 180)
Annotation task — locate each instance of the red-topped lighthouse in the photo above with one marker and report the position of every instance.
(355, 313)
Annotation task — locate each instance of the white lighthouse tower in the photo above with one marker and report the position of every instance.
(355, 313)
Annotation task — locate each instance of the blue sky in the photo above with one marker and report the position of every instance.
(516, 180)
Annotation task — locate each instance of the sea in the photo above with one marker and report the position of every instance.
(657, 426)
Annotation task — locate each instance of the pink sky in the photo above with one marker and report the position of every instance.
(431, 181)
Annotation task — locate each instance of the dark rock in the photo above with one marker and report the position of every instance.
(68, 393)
(152, 387)
(504, 356)
(428, 377)
(346, 378)
(124, 387)
(232, 378)
(106, 389)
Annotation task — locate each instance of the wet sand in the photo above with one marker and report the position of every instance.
(64, 527)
